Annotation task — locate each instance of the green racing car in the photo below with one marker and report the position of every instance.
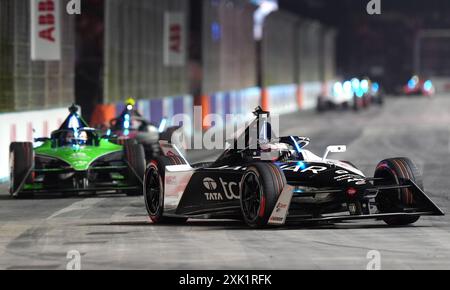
(76, 159)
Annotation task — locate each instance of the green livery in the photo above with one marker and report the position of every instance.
(76, 159)
(82, 158)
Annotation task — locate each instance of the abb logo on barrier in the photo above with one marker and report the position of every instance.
(45, 30)
(175, 38)
(46, 20)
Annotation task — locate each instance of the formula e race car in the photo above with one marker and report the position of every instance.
(354, 93)
(131, 125)
(268, 181)
(75, 160)
(417, 86)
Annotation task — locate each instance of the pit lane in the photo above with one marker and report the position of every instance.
(113, 232)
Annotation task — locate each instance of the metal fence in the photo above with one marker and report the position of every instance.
(134, 63)
(26, 84)
(229, 61)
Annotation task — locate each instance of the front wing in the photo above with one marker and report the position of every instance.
(280, 214)
(38, 188)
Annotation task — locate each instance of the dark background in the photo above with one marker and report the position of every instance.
(377, 46)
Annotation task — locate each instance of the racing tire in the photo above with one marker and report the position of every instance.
(21, 160)
(154, 189)
(134, 156)
(393, 171)
(260, 189)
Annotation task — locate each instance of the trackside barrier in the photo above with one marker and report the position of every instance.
(103, 114)
(310, 92)
(278, 99)
(239, 102)
(441, 84)
(24, 127)
(282, 99)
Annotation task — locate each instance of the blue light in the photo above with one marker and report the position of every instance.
(359, 93)
(348, 89)
(296, 145)
(355, 84)
(126, 132)
(108, 133)
(412, 84)
(365, 86)
(375, 87)
(301, 165)
(338, 89)
(216, 31)
(73, 122)
(162, 125)
(126, 123)
(428, 85)
(76, 134)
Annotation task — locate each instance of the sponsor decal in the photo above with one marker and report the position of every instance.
(301, 168)
(213, 196)
(171, 180)
(344, 175)
(276, 219)
(230, 190)
(280, 206)
(210, 183)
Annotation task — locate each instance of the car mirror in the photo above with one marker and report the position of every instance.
(334, 149)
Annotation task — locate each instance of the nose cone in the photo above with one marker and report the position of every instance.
(79, 160)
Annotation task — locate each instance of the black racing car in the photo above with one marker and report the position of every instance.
(131, 125)
(272, 181)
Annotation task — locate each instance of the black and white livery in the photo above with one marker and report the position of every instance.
(270, 181)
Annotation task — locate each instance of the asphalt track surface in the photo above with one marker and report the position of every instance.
(113, 232)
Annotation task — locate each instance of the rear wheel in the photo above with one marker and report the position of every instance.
(393, 172)
(261, 186)
(135, 157)
(154, 189)
(21, 160)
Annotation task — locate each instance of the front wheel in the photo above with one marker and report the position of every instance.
(261, 186)
(21, 161)
(393, 172)
(154, 189)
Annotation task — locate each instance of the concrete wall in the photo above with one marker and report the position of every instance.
(228, 47)
(31, 85)
(134, 50)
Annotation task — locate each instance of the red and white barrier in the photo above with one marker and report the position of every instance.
(24, 127)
